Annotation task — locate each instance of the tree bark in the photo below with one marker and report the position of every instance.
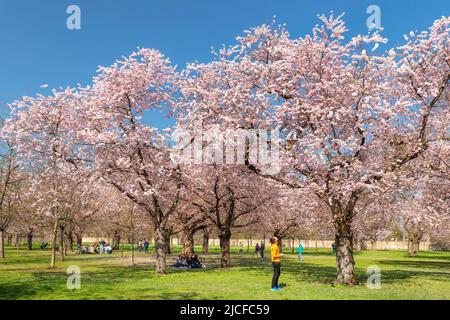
(161, 251)
(132, 236)
(8, 239)
(17, 242)
(79, 239)
(116, 240)
(132, 249)
(54, 240)
(413, 245)
(225, 237)
(2, 244)
(69, 241)
(345, 263)
(166, 238)
(188, 243)
(205, 244)
(61, 243)
(30, 239)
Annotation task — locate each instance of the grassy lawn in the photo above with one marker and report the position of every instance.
(25, 275)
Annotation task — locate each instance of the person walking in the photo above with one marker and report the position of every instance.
(300, 252)
(275, 255)
(261, 249)
(257, 250)
(241, 247)
(140, 246)
(146, 245)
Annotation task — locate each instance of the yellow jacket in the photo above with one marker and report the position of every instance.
(275, 253)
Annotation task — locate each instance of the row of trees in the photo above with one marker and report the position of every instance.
(363, 142)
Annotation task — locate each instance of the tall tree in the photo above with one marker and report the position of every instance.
(349, 117)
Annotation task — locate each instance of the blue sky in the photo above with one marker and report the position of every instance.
(37, 48)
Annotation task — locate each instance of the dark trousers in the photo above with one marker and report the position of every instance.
(276, 273)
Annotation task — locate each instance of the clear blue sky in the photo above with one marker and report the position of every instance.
(36, 47)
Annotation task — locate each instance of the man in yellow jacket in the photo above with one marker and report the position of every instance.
(276, 262)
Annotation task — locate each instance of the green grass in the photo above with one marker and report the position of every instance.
(25, 275)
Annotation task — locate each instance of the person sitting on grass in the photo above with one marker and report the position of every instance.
(107, 249)
(275, 255)
(83, 249)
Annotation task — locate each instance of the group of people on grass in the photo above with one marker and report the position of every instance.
(188, 262)
(143, 246)
(259, 250)
(100, 247)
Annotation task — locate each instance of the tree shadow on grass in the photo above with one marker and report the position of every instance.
(16, 291)
(396, 276)
(183, 296)
(418, 264)
(436, 255)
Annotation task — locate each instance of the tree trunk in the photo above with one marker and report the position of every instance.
(161, 251)
(188, 243)
(116, 240)
(2, 244)
(224, 237)
(79, 239)
(54, 240)
(69, 241)
(166, 238)
(61, 243)
(30, 239)
(132, 236)
(17, 242)
(205, 244)
(413, 245)
(132, 250)
(345, 263)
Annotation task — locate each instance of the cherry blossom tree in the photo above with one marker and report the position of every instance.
(229, 198)
(9, 192)
(42, 128)
(189, 220)
(130, 155)
(349, 117)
